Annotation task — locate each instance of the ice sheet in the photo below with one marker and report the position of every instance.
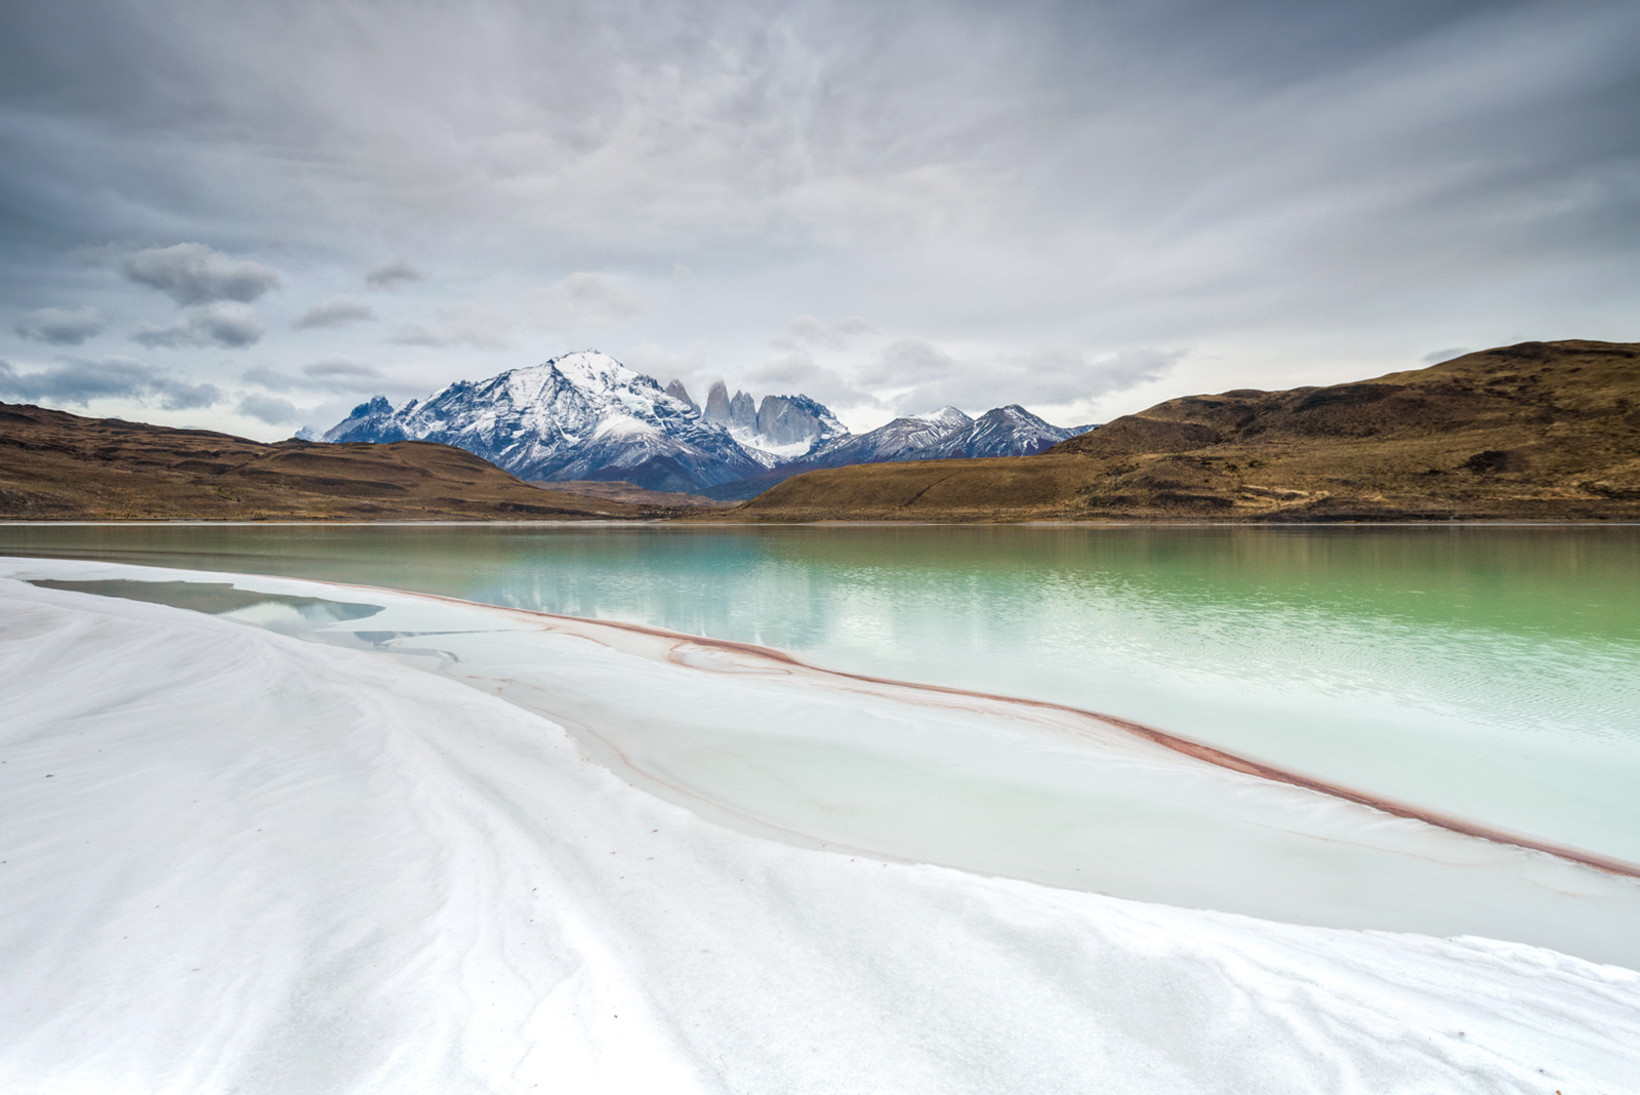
(238, 861)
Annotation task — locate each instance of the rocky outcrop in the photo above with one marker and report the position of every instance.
(677, 391)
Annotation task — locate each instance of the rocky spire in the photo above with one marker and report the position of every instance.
(677, 391)
(717, 402)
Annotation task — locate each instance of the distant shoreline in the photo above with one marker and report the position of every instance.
(657, 522)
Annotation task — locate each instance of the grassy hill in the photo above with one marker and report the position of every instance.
(58, 466)
(1538, 431)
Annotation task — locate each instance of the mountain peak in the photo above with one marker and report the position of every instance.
(677, 391)
(949, 417)
(580, 415)
(593, 370)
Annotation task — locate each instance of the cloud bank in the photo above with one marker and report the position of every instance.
(77, 382)
(965, 203)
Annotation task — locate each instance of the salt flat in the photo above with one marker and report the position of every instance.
(239, 861)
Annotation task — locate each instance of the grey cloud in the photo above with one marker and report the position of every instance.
(795, 371)
(267, 408)
(271, 379)
(828, 336)
(61, 326)
(391, 274)
(334, 313)
(78, 382)
(1435, 357)
(583, 301)
(342, 370)
(1228, 176)
(323, 376)
(691, 368)
(932, 378)
(907, 362)
(230, 325)
(479, 335)
(191, 273)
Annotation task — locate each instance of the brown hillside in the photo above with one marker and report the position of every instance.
(1538, 431)
(58, 466)
(619, 490)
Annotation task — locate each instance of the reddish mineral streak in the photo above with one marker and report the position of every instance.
(1177, 743)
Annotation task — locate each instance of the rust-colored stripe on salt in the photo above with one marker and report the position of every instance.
(1196, 750)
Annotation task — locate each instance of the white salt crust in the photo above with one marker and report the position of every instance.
(239, 862)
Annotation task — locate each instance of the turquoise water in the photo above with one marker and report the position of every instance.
(1489, 672)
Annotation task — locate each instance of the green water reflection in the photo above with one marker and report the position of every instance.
(1459, 667)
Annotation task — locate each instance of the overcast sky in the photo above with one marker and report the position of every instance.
(252, 215)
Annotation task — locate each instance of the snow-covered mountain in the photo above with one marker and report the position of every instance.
(1006, 431)
(915, 437)
(583, 415)
(781, 429)
(940, 435)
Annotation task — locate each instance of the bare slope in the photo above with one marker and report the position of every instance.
(1538, 431)
(58, 466)
(619, 490)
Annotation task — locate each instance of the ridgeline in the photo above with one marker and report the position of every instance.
(59, 467)
(1538, 431)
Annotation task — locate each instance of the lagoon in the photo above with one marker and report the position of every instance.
(1488, 672)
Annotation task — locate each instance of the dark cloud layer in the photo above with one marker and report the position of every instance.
(61, 326)
(1047, 201)
(78, 382)
(393, 273)
(323, 376)
(228, 325)
(334, 313)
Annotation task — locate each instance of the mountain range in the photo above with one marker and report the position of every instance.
(1535, 431)
(945, 434)
(585, 416)
(1544, 431)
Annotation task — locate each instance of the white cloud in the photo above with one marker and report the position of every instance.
(270, 409)
(584, 301)
(925, 377)
(836, 335)
(477, 328)
(795, 371)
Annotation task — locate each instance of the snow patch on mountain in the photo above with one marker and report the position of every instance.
(781, 429)
(944, 434)
(582, 415)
